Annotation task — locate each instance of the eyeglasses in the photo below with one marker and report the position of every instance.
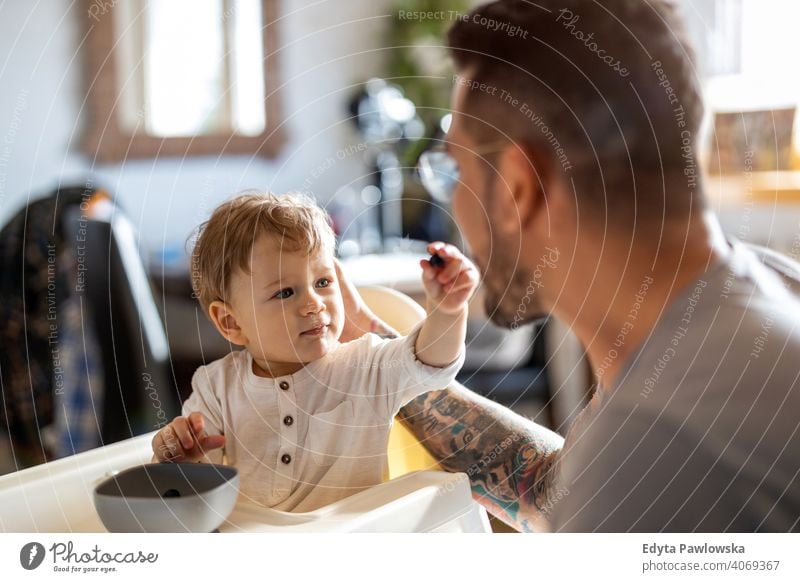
(439, 172)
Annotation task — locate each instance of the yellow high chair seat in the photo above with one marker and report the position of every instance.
(398, 310)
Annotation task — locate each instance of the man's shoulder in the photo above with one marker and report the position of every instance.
(757, 276)
(757, 325)
(721, 355)
(714, 382)
(783, 265)
(746, 310)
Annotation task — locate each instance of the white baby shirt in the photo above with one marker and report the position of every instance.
(303, 441)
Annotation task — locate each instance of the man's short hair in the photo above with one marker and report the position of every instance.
(607, 87)
(225, 241)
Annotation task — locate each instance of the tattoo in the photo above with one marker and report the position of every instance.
(512, 463)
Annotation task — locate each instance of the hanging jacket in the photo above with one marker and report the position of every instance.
(50, 372)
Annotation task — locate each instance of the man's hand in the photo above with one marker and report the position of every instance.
(185, 439)
(358, 318)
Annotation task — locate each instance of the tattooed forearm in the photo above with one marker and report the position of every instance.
(511, 462)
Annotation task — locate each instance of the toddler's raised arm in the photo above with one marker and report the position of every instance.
(448, 288)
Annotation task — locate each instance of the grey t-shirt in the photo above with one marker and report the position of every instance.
(700, 430)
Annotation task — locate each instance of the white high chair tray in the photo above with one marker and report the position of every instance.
(57, 497)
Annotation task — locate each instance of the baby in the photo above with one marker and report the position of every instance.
(303, 417)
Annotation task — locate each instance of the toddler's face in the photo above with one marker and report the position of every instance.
(289, 307)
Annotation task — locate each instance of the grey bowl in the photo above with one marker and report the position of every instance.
(167, 497)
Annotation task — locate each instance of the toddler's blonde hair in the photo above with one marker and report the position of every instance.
(224, 242)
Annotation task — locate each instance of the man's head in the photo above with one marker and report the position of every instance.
(263, 270)
(592, 108)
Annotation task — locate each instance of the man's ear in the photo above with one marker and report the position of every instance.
(225, 321)
(524, 173)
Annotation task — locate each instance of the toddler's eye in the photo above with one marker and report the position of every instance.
(284, 293)
(323, 282)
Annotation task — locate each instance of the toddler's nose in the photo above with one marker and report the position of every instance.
(314, 305)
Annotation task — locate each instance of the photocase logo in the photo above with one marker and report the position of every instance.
(31, 555)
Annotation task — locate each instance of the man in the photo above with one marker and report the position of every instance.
(575, 139)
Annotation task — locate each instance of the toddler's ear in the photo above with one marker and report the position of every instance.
(225, 322)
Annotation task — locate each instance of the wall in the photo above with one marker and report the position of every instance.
(327, 47)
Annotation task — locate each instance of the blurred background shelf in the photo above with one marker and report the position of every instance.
(734, 190)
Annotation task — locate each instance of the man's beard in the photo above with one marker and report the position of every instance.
(511, 294)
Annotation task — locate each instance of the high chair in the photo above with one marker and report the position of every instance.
(58, 496)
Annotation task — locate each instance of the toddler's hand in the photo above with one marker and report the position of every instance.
(185, 439)
(450, 286)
